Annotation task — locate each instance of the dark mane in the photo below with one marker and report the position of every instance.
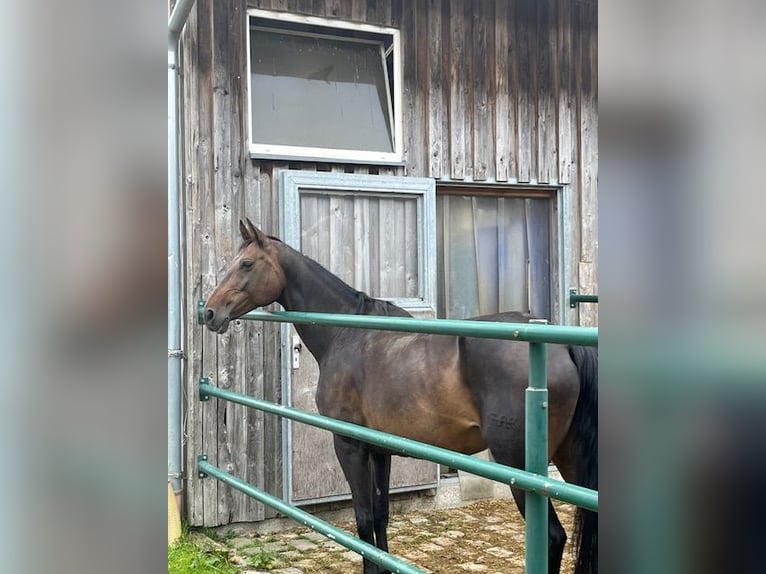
(366, 305)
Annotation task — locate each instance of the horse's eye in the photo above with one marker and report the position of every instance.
(247, 265)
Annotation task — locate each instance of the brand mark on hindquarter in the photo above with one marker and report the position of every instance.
(500, 421)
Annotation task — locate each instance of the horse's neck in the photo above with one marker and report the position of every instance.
(311, 288)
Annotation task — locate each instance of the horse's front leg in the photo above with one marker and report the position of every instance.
(354, 458)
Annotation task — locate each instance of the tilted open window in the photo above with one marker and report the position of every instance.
(323, 89)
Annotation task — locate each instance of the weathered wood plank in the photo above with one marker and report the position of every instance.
(411, 273)
(468, 86)
(566, 94)
(587, 284)
(208, 256)
(376, 231)
(457, 100)
(525, 101)
(387, 248)
(238, 416)
(410, 115)
(589, 134)
(224, 233)
(382, 13)
(419, 128)
(435, 89)
(194, 196)
(359, 10)
(341, 238)
(483, 59)
(253, 449)
(504, 105)
(398, 239)
(362, 232)
(547, 159)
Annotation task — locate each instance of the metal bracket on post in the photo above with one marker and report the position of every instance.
(203, 396)
(201, 458)
(536, 455)
(575, 298)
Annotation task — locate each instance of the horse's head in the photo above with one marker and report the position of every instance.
(254, 279)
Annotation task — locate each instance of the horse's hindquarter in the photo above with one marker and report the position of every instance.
(497, 374)
(411, 385)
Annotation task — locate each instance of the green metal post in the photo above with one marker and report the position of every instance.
(362, 548)
(536, 457)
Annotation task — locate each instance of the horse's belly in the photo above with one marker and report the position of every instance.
(458, 434)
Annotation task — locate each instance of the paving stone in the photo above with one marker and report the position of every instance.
(315, 536)
(499, 552)
(352, 556)
(455, 534)
(290, 555)
(464, 516)
(473, 567)
(330, 545)
(415, 555)
(419, 520)
(442, 541)
(302, 545)
(429, 547)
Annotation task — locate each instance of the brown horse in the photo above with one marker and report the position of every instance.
(460, 393)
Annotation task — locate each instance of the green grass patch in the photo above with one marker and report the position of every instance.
(263, 559)
(189, 557)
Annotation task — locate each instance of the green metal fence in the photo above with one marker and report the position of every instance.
(533, 480)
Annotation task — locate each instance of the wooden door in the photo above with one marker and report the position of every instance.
(377, 233)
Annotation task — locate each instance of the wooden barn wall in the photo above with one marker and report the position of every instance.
(495, 91)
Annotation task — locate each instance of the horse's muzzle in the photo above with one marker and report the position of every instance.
(214, 322)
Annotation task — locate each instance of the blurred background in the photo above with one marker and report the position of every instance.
(682, 87)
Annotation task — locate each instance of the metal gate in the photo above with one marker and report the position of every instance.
(533, 480)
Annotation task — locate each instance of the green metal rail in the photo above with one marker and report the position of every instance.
(485, 329)
(575, 298)
(534, 480)
(535, 483)
(343, 538)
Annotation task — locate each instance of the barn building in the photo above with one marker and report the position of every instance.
(439, 153)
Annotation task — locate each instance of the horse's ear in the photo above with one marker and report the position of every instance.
(250, 232)
(244, 231)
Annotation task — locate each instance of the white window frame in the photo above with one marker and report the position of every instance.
(307, 153)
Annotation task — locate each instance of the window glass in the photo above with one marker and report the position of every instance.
(493, 255)
(323, 92)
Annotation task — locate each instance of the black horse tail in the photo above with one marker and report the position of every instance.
(585, 426)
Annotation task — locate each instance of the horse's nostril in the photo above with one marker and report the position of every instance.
(209, 315)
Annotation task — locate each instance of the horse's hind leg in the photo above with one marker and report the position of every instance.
(354, 458)
(510, 452)
(381, 472)
(557, 536)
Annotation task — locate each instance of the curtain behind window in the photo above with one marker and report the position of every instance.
(493, 255)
